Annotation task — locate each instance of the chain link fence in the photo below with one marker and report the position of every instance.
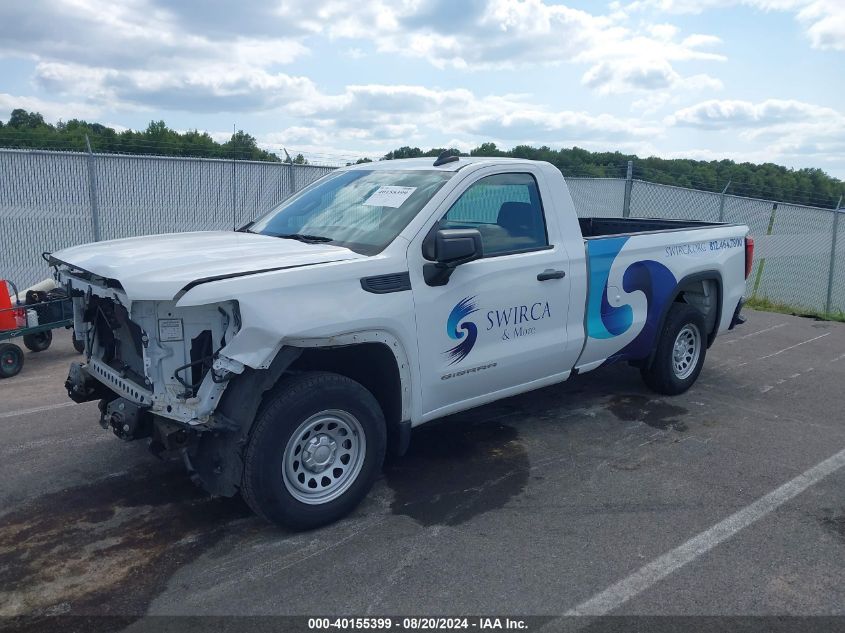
(797, 261)
(50, 200)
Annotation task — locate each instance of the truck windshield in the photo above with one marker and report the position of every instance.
(363, 210)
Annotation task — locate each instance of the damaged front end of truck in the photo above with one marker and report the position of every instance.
(159, 371)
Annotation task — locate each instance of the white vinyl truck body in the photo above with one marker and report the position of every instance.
(284, 359)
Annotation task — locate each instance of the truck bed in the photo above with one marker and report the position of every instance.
(604, 227)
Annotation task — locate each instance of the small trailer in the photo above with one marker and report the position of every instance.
(34, 319)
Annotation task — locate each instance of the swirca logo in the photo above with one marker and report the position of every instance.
(465, 332)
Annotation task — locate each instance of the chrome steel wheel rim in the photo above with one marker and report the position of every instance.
(686, 350)
(324, 456)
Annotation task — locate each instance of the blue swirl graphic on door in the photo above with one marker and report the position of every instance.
(462, 309)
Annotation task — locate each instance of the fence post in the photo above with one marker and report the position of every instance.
(832, 267)
(234, 196)
(629, 181)
(281, 191)
(289, 161)
(92, 192)
(722, 202)
(763, 261)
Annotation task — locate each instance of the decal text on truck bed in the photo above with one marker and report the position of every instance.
(701, 248)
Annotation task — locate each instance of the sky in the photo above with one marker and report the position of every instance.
(749, 80)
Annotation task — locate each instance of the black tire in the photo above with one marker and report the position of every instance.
(663, 375)
(302, 400)
(38, 342)
(11, 360)
(78, 345)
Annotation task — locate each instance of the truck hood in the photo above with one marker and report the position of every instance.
(158, 267)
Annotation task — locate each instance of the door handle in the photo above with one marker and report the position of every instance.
(551, 274)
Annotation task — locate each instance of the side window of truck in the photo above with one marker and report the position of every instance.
(505, 209)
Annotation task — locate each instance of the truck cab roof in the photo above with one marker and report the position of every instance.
(427, 162)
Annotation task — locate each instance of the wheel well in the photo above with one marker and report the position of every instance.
(704, 294)
(373, 365)
(216, 459)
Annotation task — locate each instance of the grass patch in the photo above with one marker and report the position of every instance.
(767, 305)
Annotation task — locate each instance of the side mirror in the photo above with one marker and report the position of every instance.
(457, 246)
(452, 247)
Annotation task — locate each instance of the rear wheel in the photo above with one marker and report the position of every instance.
(680, 352)
(315, 450)
(11, 360)
(38, 342)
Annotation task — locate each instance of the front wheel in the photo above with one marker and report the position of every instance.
(315, 450)
(680, 351)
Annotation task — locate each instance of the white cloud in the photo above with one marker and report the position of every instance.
(715, 114)
(212, 87)
(823, 20)
(496, 34)
(92, 58)
(136, 52)
(653, 76)
(202, 55)
(400, 113)
(355, 53)
(785, 130)
(52, 111)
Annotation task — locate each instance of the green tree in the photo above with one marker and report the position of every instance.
(801, 186)
(244, 146)
(775, 182)
(29, 130)
(404, 152)
(20, 118)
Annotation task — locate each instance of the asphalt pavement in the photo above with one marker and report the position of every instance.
(593, 492)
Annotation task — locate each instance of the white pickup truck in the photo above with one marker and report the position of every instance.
(285, 359)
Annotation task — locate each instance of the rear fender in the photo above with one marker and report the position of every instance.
(708, 275)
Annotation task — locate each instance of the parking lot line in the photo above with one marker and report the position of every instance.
(785, 349)
(655, 571)
(49, 407)
(768, 329)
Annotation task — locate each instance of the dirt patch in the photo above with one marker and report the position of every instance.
(109, 547)
(655, 413)
(457, 470)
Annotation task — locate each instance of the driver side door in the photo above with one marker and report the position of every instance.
(498, 326)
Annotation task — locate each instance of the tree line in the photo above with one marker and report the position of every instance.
(774, 182)
(808, 186)
(29, 130)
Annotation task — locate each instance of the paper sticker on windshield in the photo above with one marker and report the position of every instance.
(389, 196)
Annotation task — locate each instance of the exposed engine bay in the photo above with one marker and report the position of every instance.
(156, 369)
